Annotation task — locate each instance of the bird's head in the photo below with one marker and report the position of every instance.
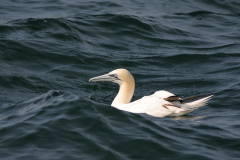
(117, 76)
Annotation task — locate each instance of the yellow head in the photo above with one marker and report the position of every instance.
(118, 76)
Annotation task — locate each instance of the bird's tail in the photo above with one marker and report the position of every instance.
(196, 104)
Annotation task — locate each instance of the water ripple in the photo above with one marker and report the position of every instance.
(50, 49)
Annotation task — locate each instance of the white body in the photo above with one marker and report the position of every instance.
(153, 105)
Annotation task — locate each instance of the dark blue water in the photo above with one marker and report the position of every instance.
(50, 49)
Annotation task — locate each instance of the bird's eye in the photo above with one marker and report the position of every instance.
(114, 75)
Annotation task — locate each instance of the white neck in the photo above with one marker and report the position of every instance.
(125, 93)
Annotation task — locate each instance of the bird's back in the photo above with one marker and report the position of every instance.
(156, 105)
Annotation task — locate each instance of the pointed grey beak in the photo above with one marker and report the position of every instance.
(105, 77)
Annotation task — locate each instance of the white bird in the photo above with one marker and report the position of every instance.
(160, 104)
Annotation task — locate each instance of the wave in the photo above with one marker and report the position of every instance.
(49, 50)
(62, 118)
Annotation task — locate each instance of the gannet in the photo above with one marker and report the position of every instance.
(160, 104)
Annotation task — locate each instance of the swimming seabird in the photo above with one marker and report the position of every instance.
(160, 104)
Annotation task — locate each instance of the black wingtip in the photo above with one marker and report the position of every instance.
(195, 97)
(173, 98)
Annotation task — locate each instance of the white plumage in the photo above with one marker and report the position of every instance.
(160, 104)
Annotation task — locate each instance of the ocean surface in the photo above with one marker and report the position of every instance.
(50, 49)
